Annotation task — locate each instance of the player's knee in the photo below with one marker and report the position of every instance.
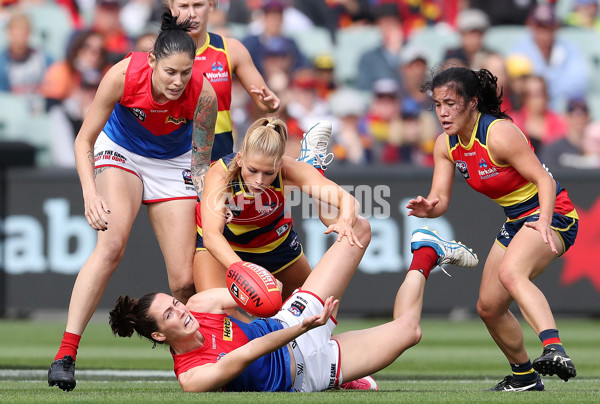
(486, 310)
(362, 228)
(182, 287)
(410, 329)
(112, 250)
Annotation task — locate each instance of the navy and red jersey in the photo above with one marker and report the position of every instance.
(212, 60)
(500, 182)
(260, 223)
(222, 334)
(146, 127)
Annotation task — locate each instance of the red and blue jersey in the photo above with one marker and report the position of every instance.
(500, 182)
(259, 223)
(222, 334)
(212, 60)
(146, 127)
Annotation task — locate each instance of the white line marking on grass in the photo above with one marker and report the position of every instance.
(37, 373)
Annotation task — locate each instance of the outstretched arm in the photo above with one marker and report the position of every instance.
(214, 376)
(205, 119)
(254, 84)
(438, 199)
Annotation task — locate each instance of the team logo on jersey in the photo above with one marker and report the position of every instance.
(482, 163)
(187, 177)
(294, 243)
(297, 308)
(176, 121)
(282, 229)
(217, 67)
(138, 113)
(462, 167)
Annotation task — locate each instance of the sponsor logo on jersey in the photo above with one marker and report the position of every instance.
(463, 169)
(217, 67)
(187, 177)
(215, 77)
(227, 329)
(176, 121)
(138, 113)
(487, 173)
(482, 163)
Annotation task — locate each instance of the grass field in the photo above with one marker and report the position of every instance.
(454, 362)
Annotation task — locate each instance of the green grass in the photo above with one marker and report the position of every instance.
(454, 362)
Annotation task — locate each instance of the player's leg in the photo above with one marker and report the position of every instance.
(293, 276)
(94, 275)
(332, 273)
(174, 224)
(208, 271)
(526, 257)
(493, 308)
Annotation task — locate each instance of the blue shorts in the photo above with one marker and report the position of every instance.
(276, 260)
(565, 226)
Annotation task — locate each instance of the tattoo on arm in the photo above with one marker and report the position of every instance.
(205, 118)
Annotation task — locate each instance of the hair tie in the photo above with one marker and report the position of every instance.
(270, 125)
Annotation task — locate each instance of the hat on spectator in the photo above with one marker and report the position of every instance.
(277, 46)
(472, 19)
(386, 87)
(346, 101)
(577, 102)
(410, 109)
(413, 53)
(274, 5)
(543, 14)
(324, 61)
(518, 65)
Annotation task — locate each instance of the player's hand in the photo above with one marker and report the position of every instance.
(96, 212)
(545, 231)
(421, 207)
(344, 229)
(267, 97)
(320, 319)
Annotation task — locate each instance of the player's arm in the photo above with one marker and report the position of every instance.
(313, 183)
(508, 145)
(215, 301)
(203, 136)
(254, 84)
(110, 92)
(438, 200)
(212, 377)
(213, 216)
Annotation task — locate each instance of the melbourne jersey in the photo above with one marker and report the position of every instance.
(259, 222)
(145, 127)
(500, 182)
(222, 334)
(212, 60)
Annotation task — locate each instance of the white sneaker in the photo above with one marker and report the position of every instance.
(449, 252)
(313, 147)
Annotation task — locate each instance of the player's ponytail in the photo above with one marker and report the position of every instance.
(266, 137)
(489, 96)
(130, 314)
(173, 37)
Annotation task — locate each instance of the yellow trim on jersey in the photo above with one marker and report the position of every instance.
(473, 135)
(203, 48)
(289, 263)
(225, 165)
(238, 229)
(224, 123)
(266, 248)
(485, 146)
(519, 195)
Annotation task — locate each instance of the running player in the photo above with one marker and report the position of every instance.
(135, 146)
(295, 349)
(497, 160)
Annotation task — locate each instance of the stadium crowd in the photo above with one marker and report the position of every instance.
(357, 63)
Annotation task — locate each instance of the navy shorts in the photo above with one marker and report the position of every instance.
(276, 260)
(565, 226)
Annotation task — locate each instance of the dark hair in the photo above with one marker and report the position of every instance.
(131, 314)
(173, 37)
(77, 43)
(469, 84)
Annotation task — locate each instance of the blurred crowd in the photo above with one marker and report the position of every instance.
(357, 63)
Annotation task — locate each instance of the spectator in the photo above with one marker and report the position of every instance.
(66, 119)
(413, 71)
(383, 62)
(257, 45)
(591, 146)
(108, 24)
(472, 25)
(538, 121)
(559, 62)
(22, 67)
(86, 55)
(563, 152)
(518, 68)
(349, 143)
(584, 15)
(505, 12)
(304, 103)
